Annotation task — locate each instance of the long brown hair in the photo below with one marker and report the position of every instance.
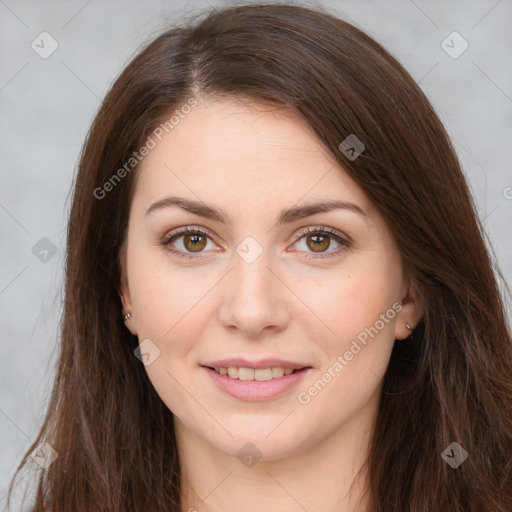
(452, 382)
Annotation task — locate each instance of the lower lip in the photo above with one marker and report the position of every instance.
(253, 390)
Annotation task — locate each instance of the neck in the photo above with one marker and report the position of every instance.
(318, 477)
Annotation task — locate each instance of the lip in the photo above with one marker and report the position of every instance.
(262, 363)
(253, 390)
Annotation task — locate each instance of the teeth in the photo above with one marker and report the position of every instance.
(260, 374)
(277, 371)
(246, 373)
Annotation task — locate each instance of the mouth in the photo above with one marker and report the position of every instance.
(256, 384)
(258, 374)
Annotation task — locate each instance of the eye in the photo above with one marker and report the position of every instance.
(317, 239)
(195, 240)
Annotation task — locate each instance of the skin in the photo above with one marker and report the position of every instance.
(252, 161)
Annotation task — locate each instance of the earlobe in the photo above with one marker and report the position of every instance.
(124, 294)
(127, 310)
(410, 314)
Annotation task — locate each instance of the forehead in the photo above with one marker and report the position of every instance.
(236, 152)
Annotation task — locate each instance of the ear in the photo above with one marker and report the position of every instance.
(124, 293)
(411, 312)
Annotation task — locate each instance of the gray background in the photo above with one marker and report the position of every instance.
(48, 104)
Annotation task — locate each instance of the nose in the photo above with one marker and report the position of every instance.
(255, 299)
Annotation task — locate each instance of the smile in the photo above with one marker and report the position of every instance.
(252, 384)
(259, 374)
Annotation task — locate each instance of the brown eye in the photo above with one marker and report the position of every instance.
(188, 242)
(194, 242)
(318, 242)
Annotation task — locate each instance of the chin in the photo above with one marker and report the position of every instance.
(265, 443)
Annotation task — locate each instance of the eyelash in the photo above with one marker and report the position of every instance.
(320, 230)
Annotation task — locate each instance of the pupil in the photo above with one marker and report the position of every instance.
(318, 240)
(194, 241)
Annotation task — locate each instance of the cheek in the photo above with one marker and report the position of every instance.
(357, 308)
(163, 296)
(169, 309)
(172, 307)
(349, 303)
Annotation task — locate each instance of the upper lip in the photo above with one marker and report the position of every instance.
(262, 363)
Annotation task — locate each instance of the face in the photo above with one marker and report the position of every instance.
(320, 292)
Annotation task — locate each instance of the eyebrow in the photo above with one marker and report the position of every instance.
(285, 217)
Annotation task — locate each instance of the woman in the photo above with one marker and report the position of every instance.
(278, 295)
